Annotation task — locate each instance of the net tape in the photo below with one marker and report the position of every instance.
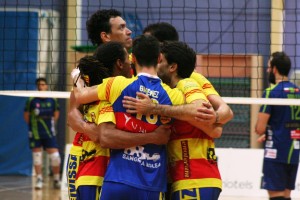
(228, 100)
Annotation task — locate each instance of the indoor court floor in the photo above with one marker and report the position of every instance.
(21, 188)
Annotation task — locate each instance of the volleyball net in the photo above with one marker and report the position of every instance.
(233, 40)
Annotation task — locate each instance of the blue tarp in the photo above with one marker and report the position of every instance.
(18, 63)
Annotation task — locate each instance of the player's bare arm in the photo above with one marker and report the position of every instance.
(223, 113)
(56, 116)
(76, 122)
(108, 136)
(113, 138)
(83, 95)
(144, 105)
(262, 122)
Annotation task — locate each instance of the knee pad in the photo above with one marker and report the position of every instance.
(54, 159)
(37, 158)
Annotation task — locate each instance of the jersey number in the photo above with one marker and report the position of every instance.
(295, 112)
(151, 119)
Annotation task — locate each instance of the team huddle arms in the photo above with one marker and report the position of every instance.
(146, 122)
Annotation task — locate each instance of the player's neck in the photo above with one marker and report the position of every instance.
(281, 78)
(174, 81)
(149, 70)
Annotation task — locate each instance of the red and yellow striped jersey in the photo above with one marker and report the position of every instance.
(191, 154)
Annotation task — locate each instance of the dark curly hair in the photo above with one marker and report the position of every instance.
(181, 54)
(163, 31)
(282, 62)
(108, 54)
(99, 22)
(92, 71)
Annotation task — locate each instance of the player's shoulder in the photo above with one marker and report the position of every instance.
(188, 82)
(195, 75)
(169, 89)
(174, 94)
(117, 79)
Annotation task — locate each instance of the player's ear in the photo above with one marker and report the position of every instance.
(173, 67)
(274, 69)
(159, 59)
(119, 64)
(105, 36)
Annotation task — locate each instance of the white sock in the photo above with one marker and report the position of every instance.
(39, 176)
(56, 177)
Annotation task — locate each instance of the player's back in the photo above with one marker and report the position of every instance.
(283, 122)
(145, 165)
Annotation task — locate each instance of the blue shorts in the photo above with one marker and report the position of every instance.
(88, 192)
(119, 191)
(46, 143)
(279, 176)
(197, 193)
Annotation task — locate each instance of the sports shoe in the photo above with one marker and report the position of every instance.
(56, 184)
(39, 184)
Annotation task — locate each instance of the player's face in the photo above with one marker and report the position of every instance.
(126, 71)
(163, 70)
(271, 75)
(119, 32)
(42, 86)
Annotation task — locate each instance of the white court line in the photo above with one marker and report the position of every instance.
(14, 188)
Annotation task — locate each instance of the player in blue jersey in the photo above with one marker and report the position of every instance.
(282, 128)
(41, 114)
(195, 174)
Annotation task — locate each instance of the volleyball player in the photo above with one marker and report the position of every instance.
(108, 25)
(193, 169)
(281, 126)
(87, 160)
(222, 113)
(103, 26)
(41, 115)
(163, 31)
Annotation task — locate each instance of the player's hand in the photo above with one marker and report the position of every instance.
(142, 104)
(162, 134)
(206, 113)
(261, 138)
(76, 80)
